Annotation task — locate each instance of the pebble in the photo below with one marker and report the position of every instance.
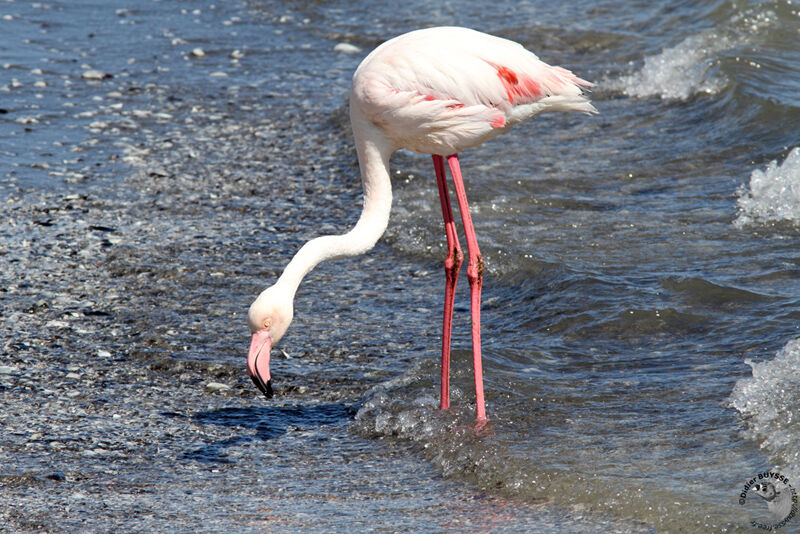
(346, 48)
(98, 451)
(93, 74)
(7, 369)
(198, 52)
(216, 386)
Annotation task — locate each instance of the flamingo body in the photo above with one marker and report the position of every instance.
(443, 90)
(436, 91)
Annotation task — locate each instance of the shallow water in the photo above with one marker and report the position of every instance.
(160, 162)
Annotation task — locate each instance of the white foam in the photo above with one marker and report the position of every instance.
(689, 68)
(769, 401)
(773, 195)
(678, 72)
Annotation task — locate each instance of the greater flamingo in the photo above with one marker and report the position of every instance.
(434, 91)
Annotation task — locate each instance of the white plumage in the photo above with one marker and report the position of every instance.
(442, 90)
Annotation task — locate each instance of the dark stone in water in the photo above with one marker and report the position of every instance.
(101, 228)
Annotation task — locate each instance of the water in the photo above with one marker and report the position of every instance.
(640, 302)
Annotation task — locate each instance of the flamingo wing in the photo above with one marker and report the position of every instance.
(447, 89)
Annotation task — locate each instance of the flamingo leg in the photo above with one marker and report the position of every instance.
(452, 264)
(475, 277)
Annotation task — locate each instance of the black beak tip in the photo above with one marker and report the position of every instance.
(266, 389)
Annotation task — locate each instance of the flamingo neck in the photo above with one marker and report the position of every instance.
(373, 158)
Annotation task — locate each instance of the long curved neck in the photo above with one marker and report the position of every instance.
(373, 158)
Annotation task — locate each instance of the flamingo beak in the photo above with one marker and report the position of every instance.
(258, 361)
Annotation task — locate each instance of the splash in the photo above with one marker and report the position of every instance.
(773, 194)
(690, 67)
(769, 401)
(490, 458)
(678, 72)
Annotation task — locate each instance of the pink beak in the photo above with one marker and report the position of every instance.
(258, 361)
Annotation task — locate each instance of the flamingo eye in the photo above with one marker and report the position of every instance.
(266, 323)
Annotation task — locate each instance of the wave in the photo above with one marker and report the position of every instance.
(769, 401)
(773, 195)
(691, 67)
(677, 72)
(497, 458)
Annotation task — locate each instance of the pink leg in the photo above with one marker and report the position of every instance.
(475, 277)
(452, 264)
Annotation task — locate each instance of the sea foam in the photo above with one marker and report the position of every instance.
(773, 195)
(691, 67)
(678, 72)
(769, 401)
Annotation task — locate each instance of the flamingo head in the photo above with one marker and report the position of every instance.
(269, 317)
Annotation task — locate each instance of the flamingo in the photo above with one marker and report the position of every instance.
(433, 91)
